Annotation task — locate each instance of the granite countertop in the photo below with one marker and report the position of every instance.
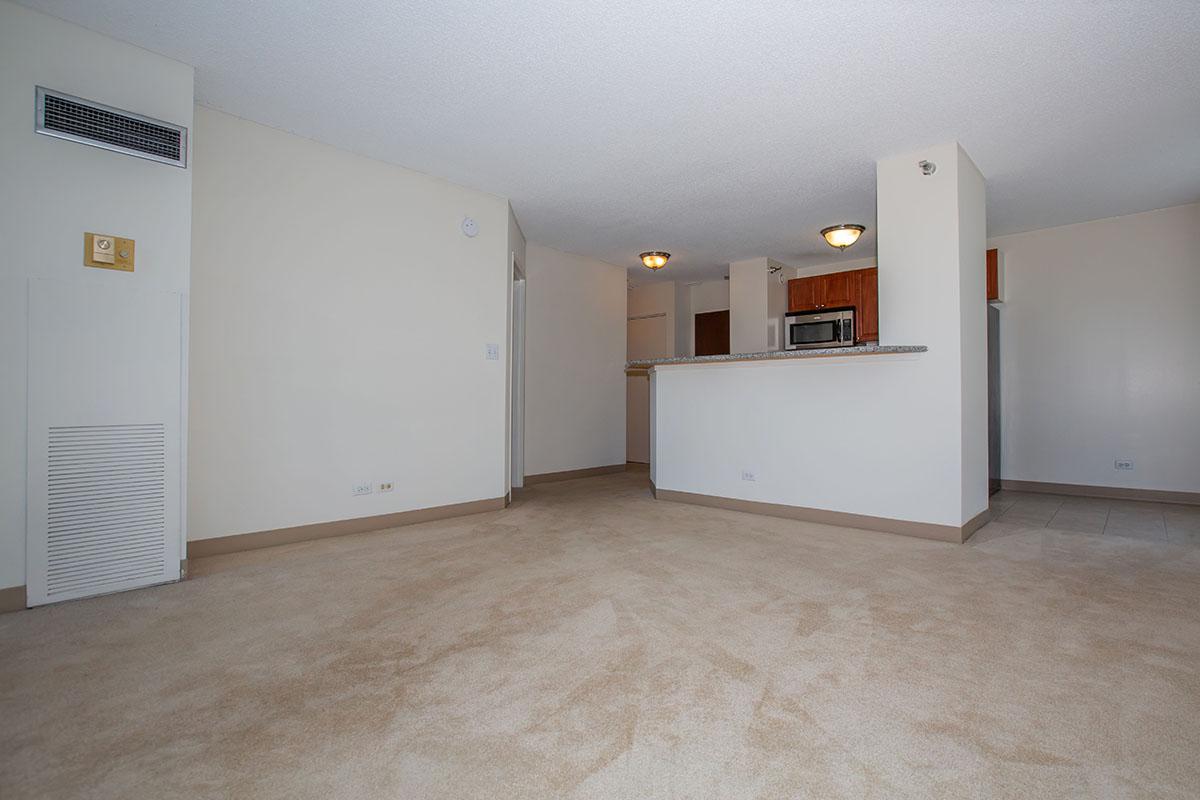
(782, 355)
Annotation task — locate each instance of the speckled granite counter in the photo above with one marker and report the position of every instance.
(781, 355)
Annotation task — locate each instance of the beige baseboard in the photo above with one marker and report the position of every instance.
(1110, 492)
(976, 522)
(572, 474)
(921, 530)
(12, 598)
(200, 548)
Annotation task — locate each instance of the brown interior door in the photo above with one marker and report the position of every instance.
(993, 274)
(712, 333)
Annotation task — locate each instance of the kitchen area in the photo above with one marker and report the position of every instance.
(826, 313)
(857, 395)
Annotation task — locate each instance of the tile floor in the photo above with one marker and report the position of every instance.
(1166, 522)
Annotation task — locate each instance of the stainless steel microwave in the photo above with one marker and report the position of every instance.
(832, 327)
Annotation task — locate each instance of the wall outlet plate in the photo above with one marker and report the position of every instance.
(1123, 463)
(361, 488)
(748, 475)
(385, 486)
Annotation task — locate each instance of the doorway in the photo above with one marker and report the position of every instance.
(712, 333)
(517, 378)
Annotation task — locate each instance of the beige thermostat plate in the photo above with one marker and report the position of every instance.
(108, 252)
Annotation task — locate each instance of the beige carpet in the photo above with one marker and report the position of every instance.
(590, 642)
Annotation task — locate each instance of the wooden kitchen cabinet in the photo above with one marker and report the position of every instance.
(834, 290)
(858, 288)
(838, 289)
(804, 293)
(866, 306)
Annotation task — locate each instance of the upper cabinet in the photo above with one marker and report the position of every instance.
(821, 291)
(838, 289)
(803, 294)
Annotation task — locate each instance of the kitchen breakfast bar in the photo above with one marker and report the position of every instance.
(853, 436)
(890, 437)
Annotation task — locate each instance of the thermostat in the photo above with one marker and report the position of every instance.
(108, 252)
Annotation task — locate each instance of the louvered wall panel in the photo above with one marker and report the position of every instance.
(104, 451)
(106, 509)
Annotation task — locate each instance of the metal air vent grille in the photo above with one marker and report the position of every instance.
(107, 507)
(79, 120)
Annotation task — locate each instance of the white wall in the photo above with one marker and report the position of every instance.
(653, 325)
(339, 328)
(683, 318)
(777, 301)
(649, 334)
(516, 238)
(835, 266)
(713, 421)
(748, 306)
(55, 190)
(514, 371)
(1099, 354)
(709, 296)
(972, 331)
(899, 422)
(931, 245)
(575, 362)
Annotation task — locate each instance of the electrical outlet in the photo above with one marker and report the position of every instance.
(747, 475)
(493, 352)
(1123, 463)
(386, 486)
(361, 488)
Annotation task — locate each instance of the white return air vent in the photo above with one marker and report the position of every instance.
(68, 117)
(106, 515)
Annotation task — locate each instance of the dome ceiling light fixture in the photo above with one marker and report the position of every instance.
(842, 236)
(654, 259)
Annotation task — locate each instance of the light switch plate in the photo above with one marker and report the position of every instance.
(493, 352)
(104, 251)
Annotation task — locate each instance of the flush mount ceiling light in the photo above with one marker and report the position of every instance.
(842, 236)
(654, 259)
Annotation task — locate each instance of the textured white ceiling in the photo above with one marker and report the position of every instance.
(717, 130)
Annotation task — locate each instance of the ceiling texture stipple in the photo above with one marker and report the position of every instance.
(713, 130)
